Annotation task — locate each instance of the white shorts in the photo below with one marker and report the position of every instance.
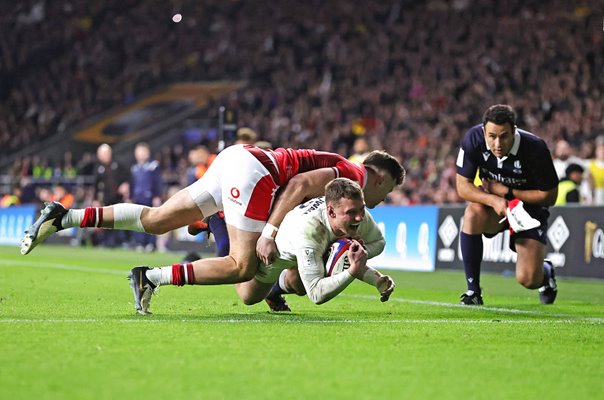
(270, 273)
(238, 184)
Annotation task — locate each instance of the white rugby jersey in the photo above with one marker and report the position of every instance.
(305, 236)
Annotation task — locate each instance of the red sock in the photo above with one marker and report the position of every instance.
(180, 277)
(177, 275)
(190, 274)
(93, 216)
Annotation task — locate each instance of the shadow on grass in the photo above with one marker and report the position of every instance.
(328, 316)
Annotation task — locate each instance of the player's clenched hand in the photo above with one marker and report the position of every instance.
(266, 250)
(357, 255)
(385, 285)
(500, 206)
(361, 241)
(357, 252)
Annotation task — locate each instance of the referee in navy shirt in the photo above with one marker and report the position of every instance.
(512, 164)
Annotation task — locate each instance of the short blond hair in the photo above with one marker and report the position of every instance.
(342, 188)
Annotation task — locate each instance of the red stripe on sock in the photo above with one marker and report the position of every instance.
(178, 275)
(190, 274)
(89, 219)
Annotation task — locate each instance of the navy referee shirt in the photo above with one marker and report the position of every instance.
(528, 165)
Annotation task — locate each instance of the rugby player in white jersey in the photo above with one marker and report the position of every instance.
(306, 234)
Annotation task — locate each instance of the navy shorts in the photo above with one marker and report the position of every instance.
(541, 214)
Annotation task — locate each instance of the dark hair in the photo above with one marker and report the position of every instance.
(342, 188)
(500, 114)
(381, 160)
(573, 168)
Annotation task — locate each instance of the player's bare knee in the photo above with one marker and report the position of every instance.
(246, 270)
(154, 220)
(475, 212)
(522, 280)
(529, 281)
(475, 217)
(248, 299)
(247, 293)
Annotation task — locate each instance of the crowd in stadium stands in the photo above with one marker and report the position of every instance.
(410, 76)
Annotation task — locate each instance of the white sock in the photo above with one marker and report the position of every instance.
(127, 217)
(160, 275)
(72, 218)
(282, 281)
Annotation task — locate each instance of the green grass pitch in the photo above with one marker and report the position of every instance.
(68, 331)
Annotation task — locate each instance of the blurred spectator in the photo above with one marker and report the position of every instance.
(596, 172)
(200, 159)
(246, 136)
(108, 176)
(11, 199)
(43, 195)
(41, 168)
(60, 194)
(86, 164)
(568, 188)
(28, 190)
(67, 169)
(564, 155)
(110, 188)
(407, 74)
(146, 189)
(360, 149)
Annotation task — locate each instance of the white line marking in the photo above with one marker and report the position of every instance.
(67, 267)
(485, 308)
(80, 268)
(290, 321)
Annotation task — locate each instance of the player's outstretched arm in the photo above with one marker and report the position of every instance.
(385, 286)
(384, 283)
(320, 288)
(359, 269)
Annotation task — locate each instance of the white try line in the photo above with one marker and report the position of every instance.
(487, 308)
(81, 268)
(67, 267)
(281, 319)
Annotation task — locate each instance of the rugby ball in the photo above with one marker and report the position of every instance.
(337, 257)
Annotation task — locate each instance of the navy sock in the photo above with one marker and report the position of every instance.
(547, 273)
(221, 236)
(471, 251)
(276, 290)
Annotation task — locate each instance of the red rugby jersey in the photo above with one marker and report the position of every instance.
(283, 164)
